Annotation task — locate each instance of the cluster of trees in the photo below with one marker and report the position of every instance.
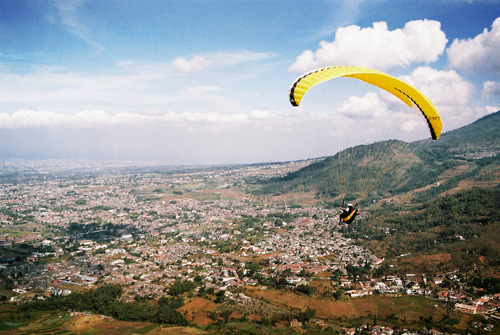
(356, 271)
(491, 285)
(180, 287)
(303, 317)
(305, 289)
(105, 300)
(96, 230)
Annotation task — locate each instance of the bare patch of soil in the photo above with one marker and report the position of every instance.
(198, 310)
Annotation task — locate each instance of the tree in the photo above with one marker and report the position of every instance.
(226, 314)
(307, 315)
(219, 298)
(339, 293)
(253, 267)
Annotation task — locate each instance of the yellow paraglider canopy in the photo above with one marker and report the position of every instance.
(407, 93)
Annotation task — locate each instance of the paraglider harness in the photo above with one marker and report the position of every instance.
(348, 214)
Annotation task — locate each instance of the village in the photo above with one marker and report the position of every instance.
(147, 231)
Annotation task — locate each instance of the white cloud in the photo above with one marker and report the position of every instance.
(262, 115)
(207, 98)
(214, 118)
(410, 125)
(367, 107)
(43, 119)
(70, 13)
(376, 116)
(197, 64)
(444, 88)
(205, 62)
(90, 119)
(490, 88)
(198, 92)
(485, 110)
(342, 13)
(134, 89)
(29, 118)
(377, 46)
(451, 94)
(305, 62)
(236, 58)
(480, 53)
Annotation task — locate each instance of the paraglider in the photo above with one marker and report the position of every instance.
(348, 214)
(410, 95)
(404, 91)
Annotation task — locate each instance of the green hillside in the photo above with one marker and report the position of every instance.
(461, 158)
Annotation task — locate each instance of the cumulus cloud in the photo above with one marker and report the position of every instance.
(444, 88)
(480, 53)
(451, 94)
(377, 46)
(381, 115)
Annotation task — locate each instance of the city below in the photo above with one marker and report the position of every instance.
(67, 230)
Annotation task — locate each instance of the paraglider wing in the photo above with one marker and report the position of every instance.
(404, 91)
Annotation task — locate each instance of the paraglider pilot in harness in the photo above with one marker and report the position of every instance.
(348, 214)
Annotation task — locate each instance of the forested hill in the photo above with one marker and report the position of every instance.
(462, 158)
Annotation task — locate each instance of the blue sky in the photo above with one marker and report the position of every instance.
(206, 82)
